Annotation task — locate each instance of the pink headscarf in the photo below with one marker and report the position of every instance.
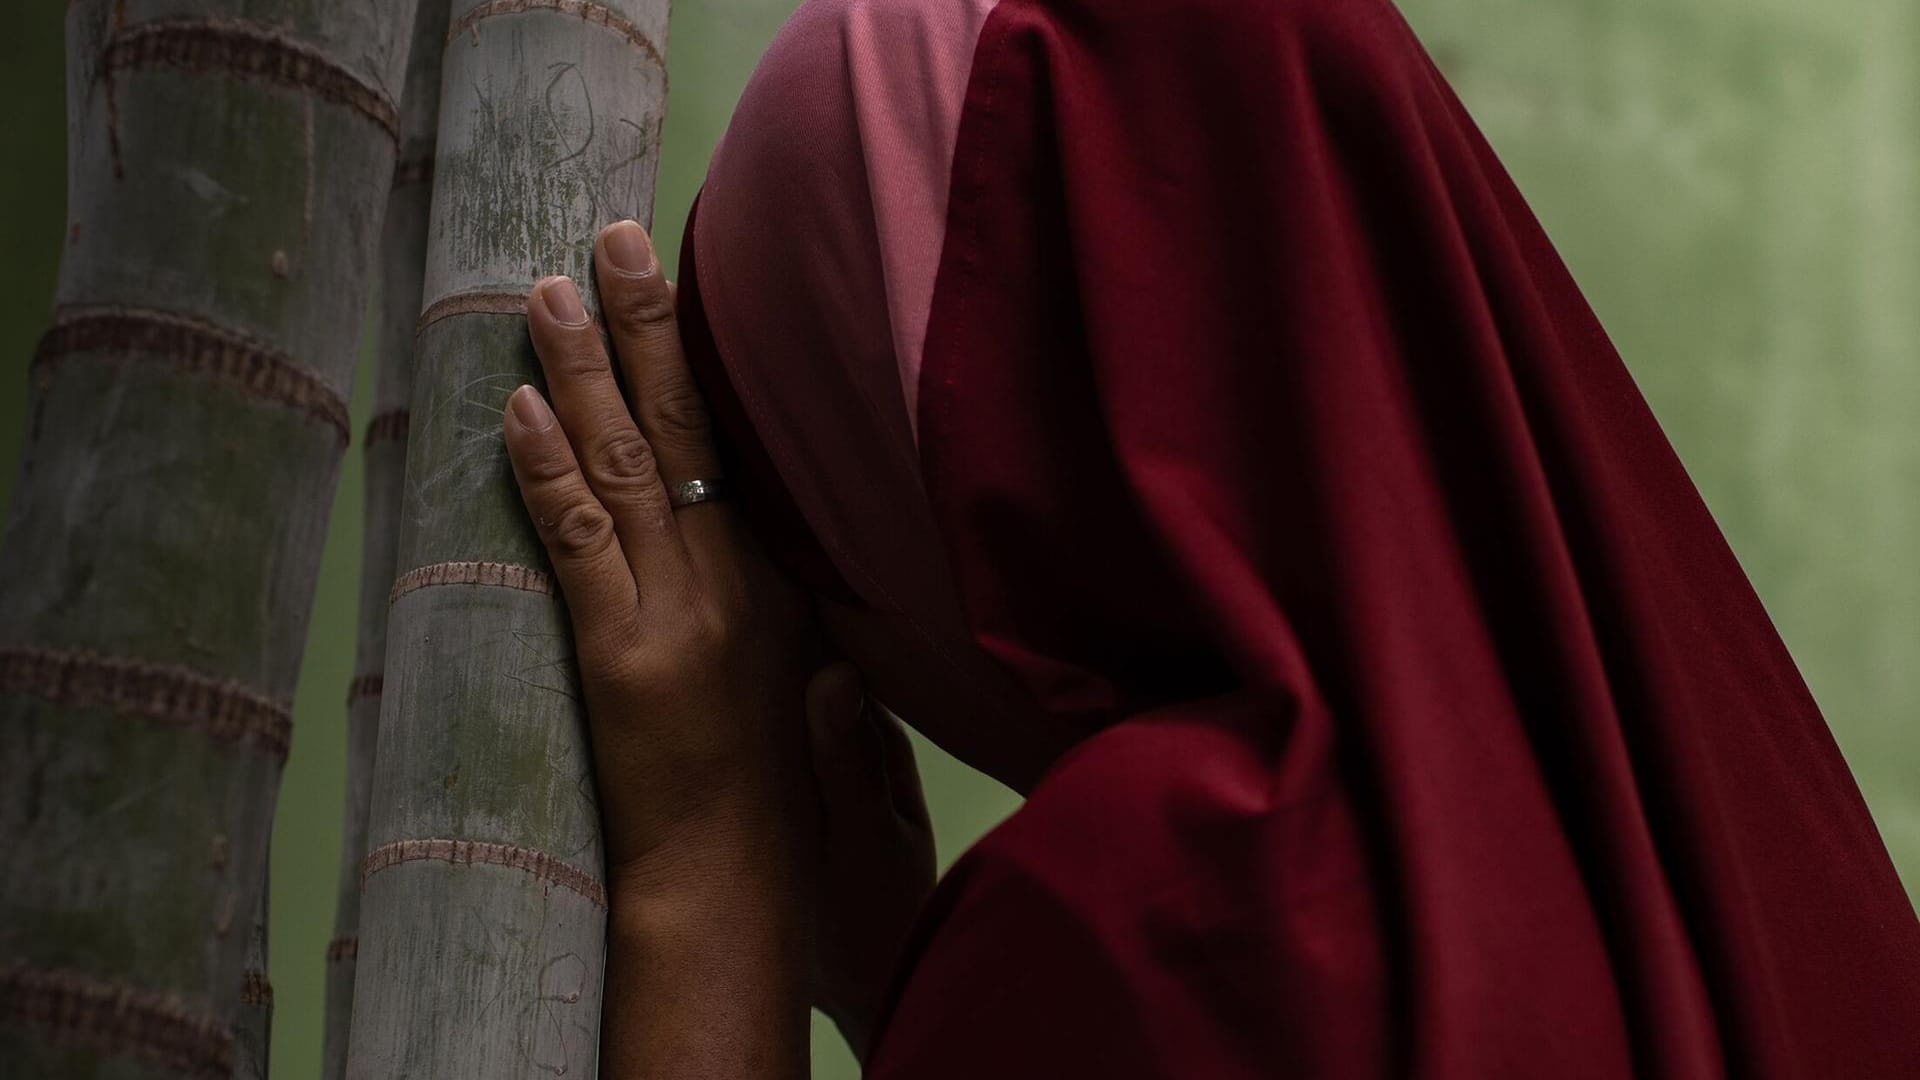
(817, 241)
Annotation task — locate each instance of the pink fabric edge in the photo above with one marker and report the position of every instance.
(906, 65)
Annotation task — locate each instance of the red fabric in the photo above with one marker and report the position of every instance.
(1433, 728)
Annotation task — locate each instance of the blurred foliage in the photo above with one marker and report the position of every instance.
(1736, 185)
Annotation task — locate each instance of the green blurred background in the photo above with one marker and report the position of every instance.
(1736, 183)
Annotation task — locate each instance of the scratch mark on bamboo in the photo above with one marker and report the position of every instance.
(196, 347)
(110, 1017)
(585, 10)
(632, 164)
(559, 662)
(578, 969)
(113, 102)
(220, 708)
(248, 51)
(473, 302)
(537, 864)
(549, 101)
(113, 128)
(341, 949)
(491, 574)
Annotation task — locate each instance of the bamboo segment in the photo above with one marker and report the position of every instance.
(226, 160)
(482, 919)
(403, 252)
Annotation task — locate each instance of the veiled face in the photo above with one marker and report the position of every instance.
(818, 245)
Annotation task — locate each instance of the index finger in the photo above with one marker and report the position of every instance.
(617, 460)
(602, 598)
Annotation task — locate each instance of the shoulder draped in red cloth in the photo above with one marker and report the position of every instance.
(1186, 421)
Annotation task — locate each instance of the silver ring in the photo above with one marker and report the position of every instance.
(688, 492)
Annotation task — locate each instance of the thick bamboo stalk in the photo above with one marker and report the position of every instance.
(483, 910)
(226, 166)
(403, 254)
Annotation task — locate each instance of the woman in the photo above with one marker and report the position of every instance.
(1173, 410)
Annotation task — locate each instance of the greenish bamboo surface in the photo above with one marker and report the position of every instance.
(483, 905)
(226, 164)
(396, 308)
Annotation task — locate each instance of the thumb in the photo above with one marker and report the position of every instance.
(849, 761)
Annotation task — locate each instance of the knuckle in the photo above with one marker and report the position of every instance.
(581, 358)
(651, 673)
(644, 305)
(603, 664)
(710, 629)
(581, 529)
(545, 467)
(623, 668)
(659, 674)
(625, 457)
(691, 638)
(678, 413)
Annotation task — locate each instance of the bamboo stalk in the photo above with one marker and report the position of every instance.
(403, 252)
(225, 165)
(482, 919)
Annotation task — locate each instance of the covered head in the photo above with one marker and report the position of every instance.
(1185, 386)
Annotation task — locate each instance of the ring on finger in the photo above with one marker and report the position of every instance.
(688, 492)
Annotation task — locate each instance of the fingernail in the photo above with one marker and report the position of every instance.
(628, 248)
(563, 300)
(531, 409)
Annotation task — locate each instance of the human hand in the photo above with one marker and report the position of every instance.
(876, 849)
(693, 651)
(694, 656)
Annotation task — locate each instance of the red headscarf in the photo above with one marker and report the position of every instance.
(1189, 424)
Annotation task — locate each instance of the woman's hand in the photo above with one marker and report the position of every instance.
(722, 846)
(876, 849)
(694, 656)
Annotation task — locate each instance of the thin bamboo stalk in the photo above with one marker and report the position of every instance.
(225, 170)
(482, 920)
(403, 254)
